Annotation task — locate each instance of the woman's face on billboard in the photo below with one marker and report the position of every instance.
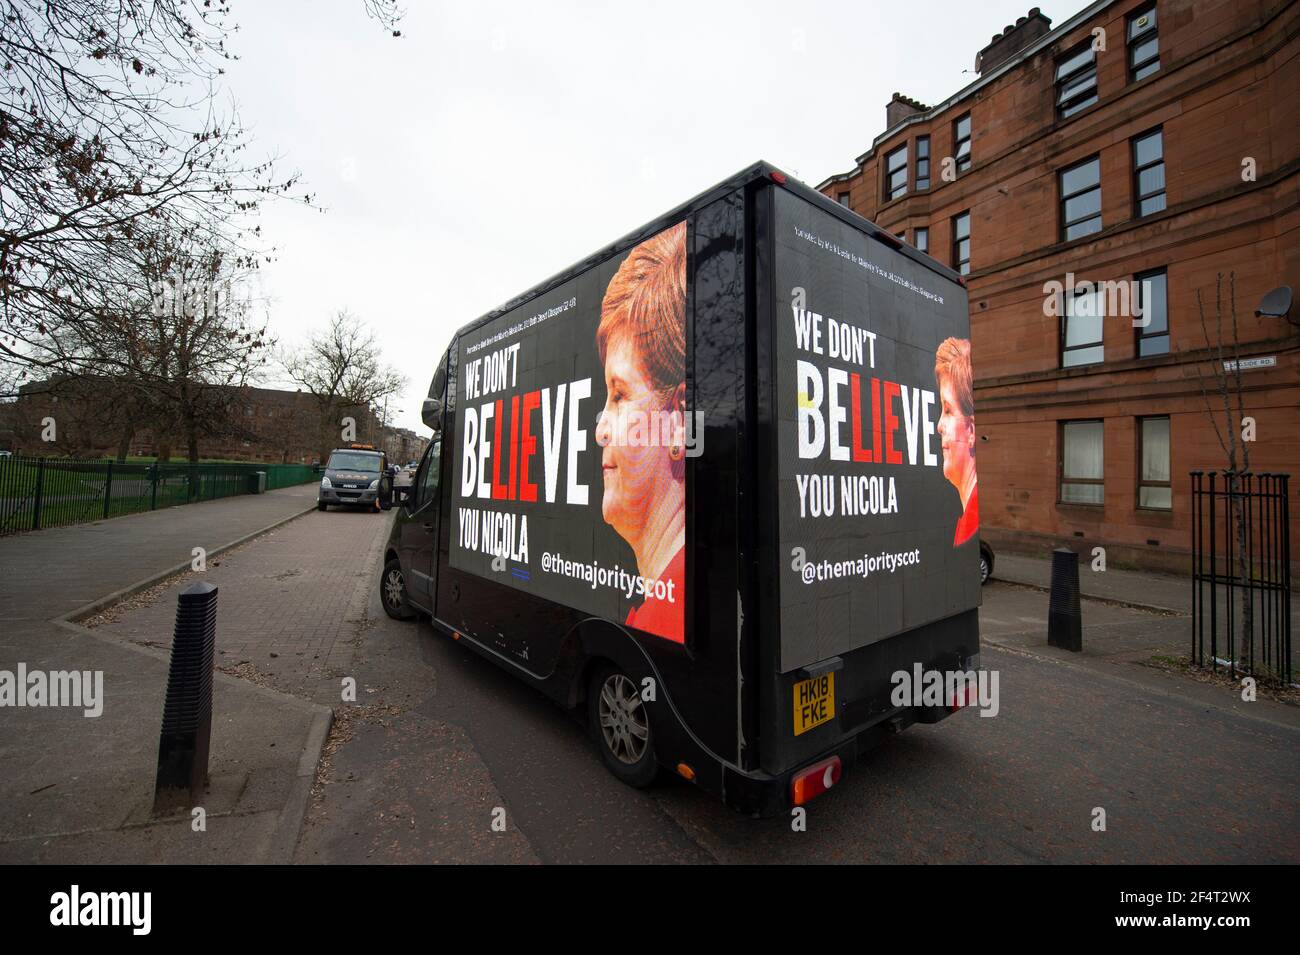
(957, 433)
(635, 430)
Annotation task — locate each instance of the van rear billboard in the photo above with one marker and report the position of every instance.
(569, 468)
(879, 513)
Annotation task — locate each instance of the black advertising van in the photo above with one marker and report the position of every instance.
(714, 485)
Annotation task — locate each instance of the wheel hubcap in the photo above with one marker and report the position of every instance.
(393, 588)
(623, 721)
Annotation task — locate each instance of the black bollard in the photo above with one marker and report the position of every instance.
(187, 712)
(1064, 618)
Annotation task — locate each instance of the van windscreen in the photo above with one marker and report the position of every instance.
(354, 461)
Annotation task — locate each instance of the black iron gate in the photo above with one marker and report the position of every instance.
(1241, 573)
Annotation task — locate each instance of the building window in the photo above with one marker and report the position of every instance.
(896, 173)
(1149, 173)
(961, 142)
(1153, 310)
(843, 199)
(1076, 81)
(1082, 462)
(961, 243)
(1143, 44)
(922, 242)
(1082, 318)
(1154, 489)
(1081, 199)
(922, 162)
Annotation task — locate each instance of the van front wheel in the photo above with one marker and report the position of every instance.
(620, 724)
(392, 592)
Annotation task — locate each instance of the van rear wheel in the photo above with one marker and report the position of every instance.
(620, 724)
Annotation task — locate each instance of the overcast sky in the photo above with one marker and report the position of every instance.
(492, 145)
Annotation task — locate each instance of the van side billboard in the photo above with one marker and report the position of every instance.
(879, 514)
(569, 475)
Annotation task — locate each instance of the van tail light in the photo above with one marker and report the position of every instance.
(810, 783)
(963, 695)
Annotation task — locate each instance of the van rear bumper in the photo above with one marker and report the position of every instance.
(762, 795)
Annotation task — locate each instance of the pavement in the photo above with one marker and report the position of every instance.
(1165, 601)
(79, 789)
(300, 614)
(1132, 588)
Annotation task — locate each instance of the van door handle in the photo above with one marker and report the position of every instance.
(429, 525)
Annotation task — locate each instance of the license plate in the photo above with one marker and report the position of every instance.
(814, 702)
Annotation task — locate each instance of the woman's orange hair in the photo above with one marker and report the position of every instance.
(952, 361)
(646, 300)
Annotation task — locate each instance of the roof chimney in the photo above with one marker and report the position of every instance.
(1012, 40)
(901, 107)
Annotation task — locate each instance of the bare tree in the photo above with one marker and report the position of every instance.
(110, 136)
(1227, 413)
(342, 368)
(206, 343)
(1226, 380)
(387, 12)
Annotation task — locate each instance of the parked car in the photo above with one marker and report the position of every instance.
(986, 563)
(355, 475)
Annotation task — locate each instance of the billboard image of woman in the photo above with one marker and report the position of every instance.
(952, 371)
(642, 343)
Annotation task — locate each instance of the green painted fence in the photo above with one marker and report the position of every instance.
(55, 492)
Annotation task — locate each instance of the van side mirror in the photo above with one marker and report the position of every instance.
(431, 413)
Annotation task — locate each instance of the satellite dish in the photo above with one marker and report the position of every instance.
(1276, 304)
